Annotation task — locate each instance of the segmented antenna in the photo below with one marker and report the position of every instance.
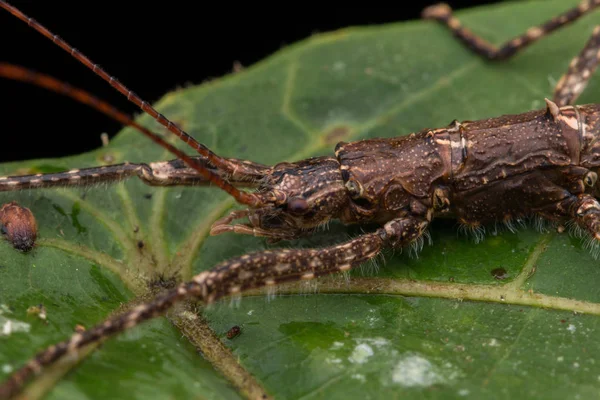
(249, 199)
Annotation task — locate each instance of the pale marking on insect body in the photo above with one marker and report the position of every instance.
(281, 268)
(345, 267)
(244, 275)
(201, 277)
(583, 7)
(535, 32)
(75, 340)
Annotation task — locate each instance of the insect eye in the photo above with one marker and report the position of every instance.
(297, 205)
(354, 188)
(590, 179)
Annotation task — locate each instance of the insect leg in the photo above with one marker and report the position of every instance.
(164, 173)
(585, 209)
(232, 277)
(443, 13)
(582, 67)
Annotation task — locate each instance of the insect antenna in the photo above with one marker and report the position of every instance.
(22, 74)
(242, 197)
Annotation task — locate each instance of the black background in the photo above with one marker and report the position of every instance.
(152, 48)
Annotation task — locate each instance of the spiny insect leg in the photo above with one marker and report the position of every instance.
(222, 226)
(246, 229)
(585, 209)
(233, 277)
(238, 172)
(443, 13)
(164, 173)
(581, 68)
(76, 177)
(580, 212)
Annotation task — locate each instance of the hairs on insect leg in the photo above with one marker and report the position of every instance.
(541, 224)
(472, 231)
(311, 287)
(522, 222)
(271, 293)
(588, 241)
(371, 267)
(462, 230)
(575, 230)
(591, 244)
(508, 223)
(235, 300)
(416, 247)
(345, 275)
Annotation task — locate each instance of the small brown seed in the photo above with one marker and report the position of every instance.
(233, 332)
(19, 226)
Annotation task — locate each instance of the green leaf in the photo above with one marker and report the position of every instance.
(515, 315)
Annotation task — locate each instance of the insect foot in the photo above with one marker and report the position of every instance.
(19, 226)
(586, 210)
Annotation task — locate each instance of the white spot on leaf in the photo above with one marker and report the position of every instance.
(361, 353)
(378, 342)
(339, 66)
(417, 371)
(9, 326)
(337, 345)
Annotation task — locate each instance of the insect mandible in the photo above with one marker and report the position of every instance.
(543, 163)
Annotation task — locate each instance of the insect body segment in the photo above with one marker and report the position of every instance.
(311, 193)
(541, 163)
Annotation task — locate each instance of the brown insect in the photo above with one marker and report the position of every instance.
(19, 226)
(541, 163)
(233, 332)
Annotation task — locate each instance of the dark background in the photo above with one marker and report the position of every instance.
(152, 48)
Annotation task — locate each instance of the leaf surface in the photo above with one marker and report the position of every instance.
(513, 315)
